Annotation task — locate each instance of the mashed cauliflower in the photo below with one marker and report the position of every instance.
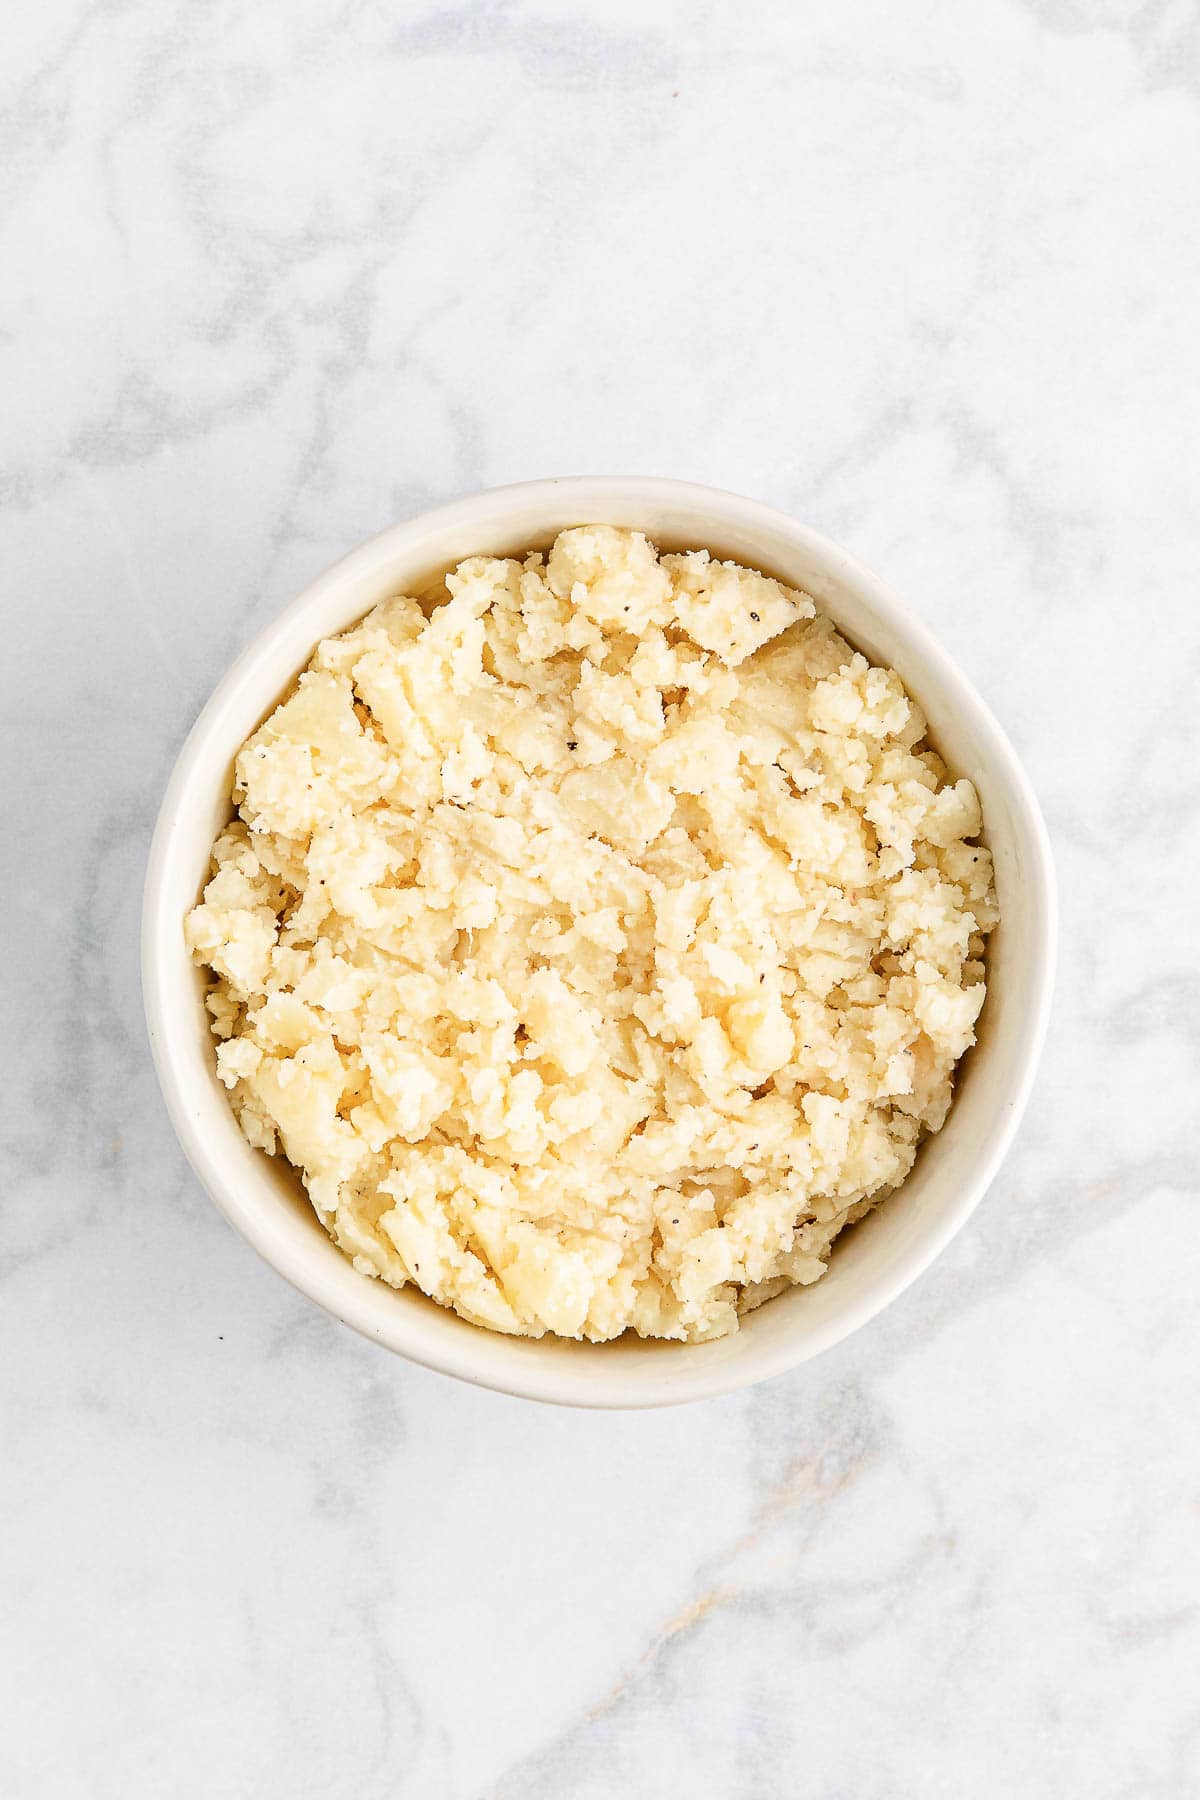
(597, 938)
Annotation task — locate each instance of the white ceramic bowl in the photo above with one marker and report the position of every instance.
(873, 1262)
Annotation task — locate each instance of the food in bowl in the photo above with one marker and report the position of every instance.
(598, 936)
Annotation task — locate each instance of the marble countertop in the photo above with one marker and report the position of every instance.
(923, 274)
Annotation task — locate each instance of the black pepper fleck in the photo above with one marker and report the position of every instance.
(572, 744)
(754, 616)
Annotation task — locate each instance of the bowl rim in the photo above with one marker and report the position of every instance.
(580, 1385)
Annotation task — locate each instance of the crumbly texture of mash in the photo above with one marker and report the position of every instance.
(597, 937)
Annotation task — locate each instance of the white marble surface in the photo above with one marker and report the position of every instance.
(925, 274)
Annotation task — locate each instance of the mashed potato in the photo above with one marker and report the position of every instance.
(597, 938)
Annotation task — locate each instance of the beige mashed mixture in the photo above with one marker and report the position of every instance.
(597, 941)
